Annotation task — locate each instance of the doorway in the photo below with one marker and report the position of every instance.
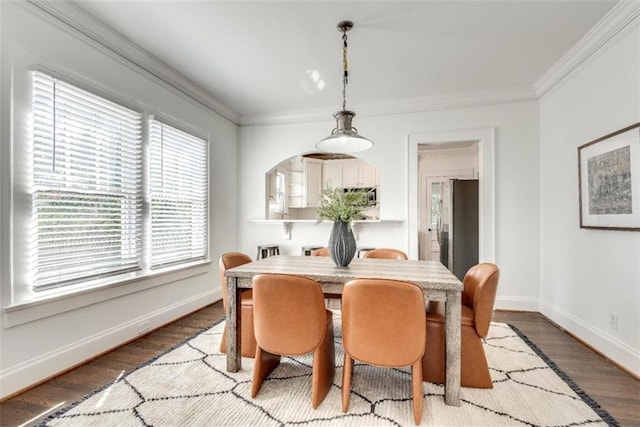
(437, 165)
(485, 173)
(434, 211)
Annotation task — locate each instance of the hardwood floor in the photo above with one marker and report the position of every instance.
(616, 391)
(611, 387)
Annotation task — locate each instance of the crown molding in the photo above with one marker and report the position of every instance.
(402, 106)
(614, 23)
(79, 23)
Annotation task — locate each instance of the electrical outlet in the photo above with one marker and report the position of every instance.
(143, 326)
(613, 321)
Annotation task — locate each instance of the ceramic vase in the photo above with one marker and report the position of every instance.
(342, 243)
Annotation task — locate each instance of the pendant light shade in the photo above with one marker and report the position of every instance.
(344, 138)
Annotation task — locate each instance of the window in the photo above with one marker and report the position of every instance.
(87, 185)
(436, 204)
(178, 196)
(276, 202)
(100, 207)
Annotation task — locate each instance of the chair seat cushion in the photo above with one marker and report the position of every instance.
(435, 313)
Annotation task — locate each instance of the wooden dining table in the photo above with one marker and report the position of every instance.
(437, 282)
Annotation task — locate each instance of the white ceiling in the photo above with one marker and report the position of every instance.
(257, 57)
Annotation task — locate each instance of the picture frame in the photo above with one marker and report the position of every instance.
(609, 181)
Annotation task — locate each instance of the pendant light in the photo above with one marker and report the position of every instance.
(344, 138)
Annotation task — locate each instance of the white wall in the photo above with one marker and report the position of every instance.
(588, 274)
(516, 182)
(447, 160)
(35, 350)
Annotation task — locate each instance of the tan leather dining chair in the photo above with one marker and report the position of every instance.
(386, 253)
(383, 324)
(320, 252)
(290, 319)
(248, 343)
(480, 286)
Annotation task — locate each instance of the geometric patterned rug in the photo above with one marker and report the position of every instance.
(189, 386)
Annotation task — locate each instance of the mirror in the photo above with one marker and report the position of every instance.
(294, 186)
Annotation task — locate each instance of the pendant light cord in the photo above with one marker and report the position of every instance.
(345, 65)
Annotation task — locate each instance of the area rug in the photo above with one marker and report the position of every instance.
(189, 386)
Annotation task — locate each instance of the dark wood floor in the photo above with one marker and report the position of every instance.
(616, 391)
(611, 387)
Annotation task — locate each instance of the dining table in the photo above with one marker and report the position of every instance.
(436, 281)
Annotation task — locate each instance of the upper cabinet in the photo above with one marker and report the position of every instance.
(312, 183)
(367, 175)
(350, 173)
(332, 173)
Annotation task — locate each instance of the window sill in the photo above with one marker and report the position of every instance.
(59, 302)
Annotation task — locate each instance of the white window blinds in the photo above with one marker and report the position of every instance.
(86, 187)
(179, 188)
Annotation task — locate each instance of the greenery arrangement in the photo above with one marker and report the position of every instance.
(345, 206)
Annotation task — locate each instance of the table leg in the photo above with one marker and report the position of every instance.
(234, 318)
(453, 344)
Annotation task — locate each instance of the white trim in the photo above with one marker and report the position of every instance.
(82, 25)
(618, 18)
(6, 174)
(486, 160)
(61, 302)
(610, 346)
(46, 365)
(517, 303)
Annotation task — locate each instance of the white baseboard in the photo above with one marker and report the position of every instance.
(611, 347)
(45, 366)
(517, 303)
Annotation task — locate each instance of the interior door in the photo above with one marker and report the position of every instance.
(434, 205)
(435, 222)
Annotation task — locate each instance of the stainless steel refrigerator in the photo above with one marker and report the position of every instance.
(458, 238)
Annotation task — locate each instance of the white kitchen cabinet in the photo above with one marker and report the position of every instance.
(358, 174)
(367, 175)
(332, 174)
(350, 176)
(312, 182)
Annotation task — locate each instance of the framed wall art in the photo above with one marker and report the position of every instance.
(609, 181)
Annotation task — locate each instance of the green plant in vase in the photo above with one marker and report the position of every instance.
(342, 207)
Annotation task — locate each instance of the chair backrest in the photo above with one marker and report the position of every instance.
(480, 287)
(229, 260)
(320, 252)
(289, 313)
(386, 253)
(383, 321)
